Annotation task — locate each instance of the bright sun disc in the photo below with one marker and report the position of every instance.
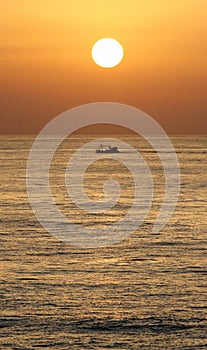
(107, 52)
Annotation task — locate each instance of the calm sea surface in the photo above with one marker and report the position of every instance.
(146, 292)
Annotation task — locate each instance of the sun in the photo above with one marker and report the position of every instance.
(107, 52)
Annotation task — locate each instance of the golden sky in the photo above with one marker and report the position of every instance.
(46, 66)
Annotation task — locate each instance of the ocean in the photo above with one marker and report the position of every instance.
(147, 291)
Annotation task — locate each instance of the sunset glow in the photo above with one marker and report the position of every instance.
(46, 64)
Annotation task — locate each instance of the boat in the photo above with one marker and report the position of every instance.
(107, 149)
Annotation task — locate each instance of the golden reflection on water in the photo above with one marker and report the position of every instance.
(147, 292)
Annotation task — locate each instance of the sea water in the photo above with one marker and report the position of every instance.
(145, 292)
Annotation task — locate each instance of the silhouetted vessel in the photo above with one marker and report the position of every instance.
(107, 149)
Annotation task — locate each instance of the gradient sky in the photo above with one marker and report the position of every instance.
(46, 67)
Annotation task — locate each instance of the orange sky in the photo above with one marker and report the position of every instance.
(46, 67)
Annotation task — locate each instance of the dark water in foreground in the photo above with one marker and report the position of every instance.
(147, 292)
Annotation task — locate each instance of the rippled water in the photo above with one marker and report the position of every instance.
(146, 292)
